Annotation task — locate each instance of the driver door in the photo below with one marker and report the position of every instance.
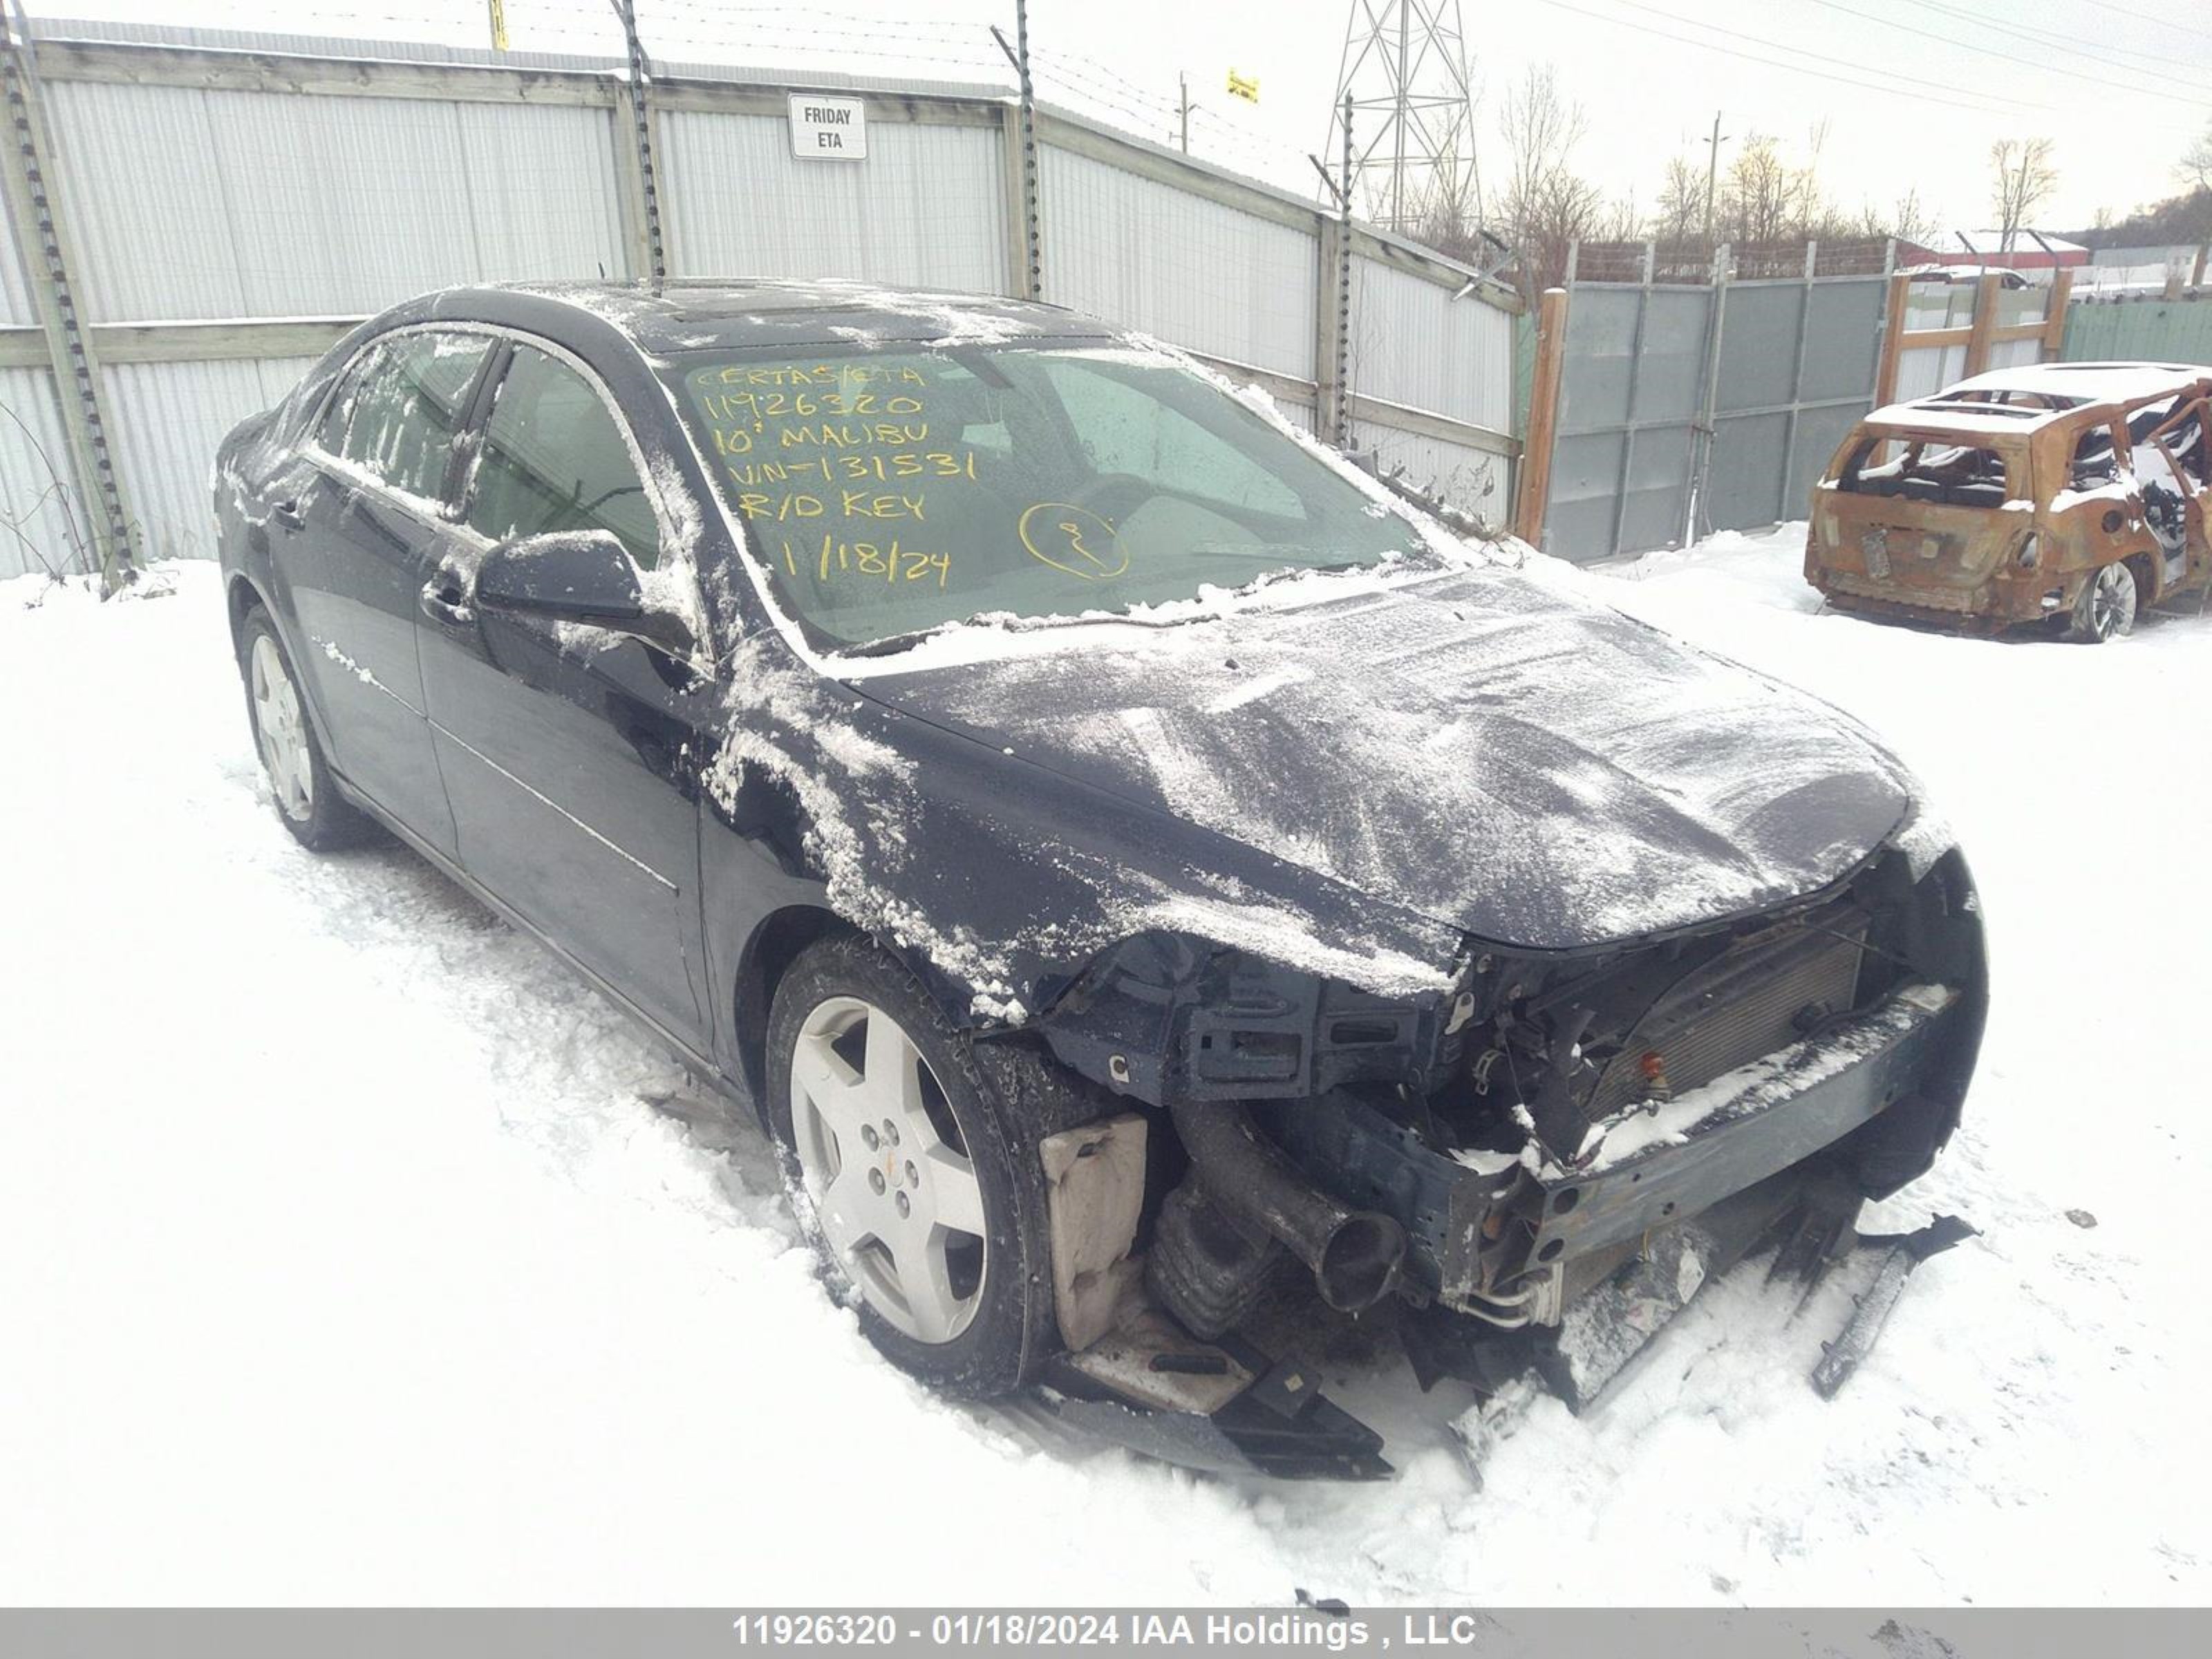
(569, 752)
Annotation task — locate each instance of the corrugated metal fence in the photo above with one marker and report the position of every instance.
(2132, 329)
(232, 201)
(1688, 408)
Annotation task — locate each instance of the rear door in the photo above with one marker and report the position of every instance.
(569, 753)
(363, 529)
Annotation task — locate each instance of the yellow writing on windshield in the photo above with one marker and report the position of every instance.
(851, 449)
(1073, 539)
(887, 562)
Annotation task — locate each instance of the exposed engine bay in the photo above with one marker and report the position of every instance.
(1499, 1161)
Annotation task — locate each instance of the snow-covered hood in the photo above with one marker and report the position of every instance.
(1479, 748)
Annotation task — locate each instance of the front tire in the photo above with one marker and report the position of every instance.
(2107, 607)
(904, 1175)
(299, 779)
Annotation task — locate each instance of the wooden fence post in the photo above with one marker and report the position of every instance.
(1534, 493)
(2055, 315)
(1893, 340)
(1986, 289)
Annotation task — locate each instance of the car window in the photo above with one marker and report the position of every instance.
(398, 415)
(1123, 429)
(888, 492)
(553, 458)
(330, 434)
(2171, 426)
(2096, 461)
(1928, 469)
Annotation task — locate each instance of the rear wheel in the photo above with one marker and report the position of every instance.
(2107, 607)
(299, 780)
(902, 1173)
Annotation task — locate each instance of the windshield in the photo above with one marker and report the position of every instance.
(890, 493)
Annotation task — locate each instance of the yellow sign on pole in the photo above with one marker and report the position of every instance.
(1246, 87)
(498, 25)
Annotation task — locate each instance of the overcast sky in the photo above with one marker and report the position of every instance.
(1911, 93)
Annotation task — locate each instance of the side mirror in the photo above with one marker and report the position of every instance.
(577, 575)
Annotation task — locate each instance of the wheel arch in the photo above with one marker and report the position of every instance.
(2149, 571)
(241, 598)
(774, 945)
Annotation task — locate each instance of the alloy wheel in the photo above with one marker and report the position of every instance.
(282, 729)
(886, 1169)
(2112, 602)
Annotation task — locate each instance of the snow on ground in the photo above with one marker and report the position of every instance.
(347, 1261)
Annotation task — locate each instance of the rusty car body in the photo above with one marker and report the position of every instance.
(2069, 496)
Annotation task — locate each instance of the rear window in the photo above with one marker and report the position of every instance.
(1928, 469)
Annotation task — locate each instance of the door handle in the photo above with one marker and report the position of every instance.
(442, 602)
(287, 513)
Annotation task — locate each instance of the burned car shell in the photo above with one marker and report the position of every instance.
(2072, 438)
(1339, 855)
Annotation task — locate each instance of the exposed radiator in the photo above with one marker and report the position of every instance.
(1744, 1004)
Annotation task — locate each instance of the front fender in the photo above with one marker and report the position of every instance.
(996, 880)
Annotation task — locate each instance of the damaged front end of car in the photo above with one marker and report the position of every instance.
(1522, 1176)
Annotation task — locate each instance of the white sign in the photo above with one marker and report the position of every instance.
(825, 129)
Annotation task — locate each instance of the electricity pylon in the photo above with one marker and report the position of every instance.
(1404, 71)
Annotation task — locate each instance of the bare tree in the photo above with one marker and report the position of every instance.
(2022, 180)
(1906, 220)
(1545, 204)
(1540, 129)
(1910, 222)
(2195, 167)
(1765, 197)
(2195, 171)
(1621, 221)
(1678, 219)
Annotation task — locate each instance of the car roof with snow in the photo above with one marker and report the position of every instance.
(1979, 405)
(723, 314)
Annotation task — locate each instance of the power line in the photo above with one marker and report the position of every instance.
(1616, 19)
(2047, 38)
(1802, 51)
(2135, 87)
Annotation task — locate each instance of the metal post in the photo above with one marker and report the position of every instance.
(1628, 436)
(1706, 434)
(1342, 432)
(1398, 170)
(641, 129)
(1712, 174)
(33, 212)
(1328, 318)
(1796, 385)
(1031, 238)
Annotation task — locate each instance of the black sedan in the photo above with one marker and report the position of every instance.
(1143, 871)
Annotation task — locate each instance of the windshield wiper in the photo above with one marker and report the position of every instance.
(889, 645)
